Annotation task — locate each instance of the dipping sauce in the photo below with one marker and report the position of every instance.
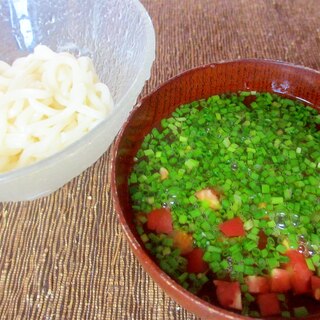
(227, 199)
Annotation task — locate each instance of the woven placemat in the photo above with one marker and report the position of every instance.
(64, 256)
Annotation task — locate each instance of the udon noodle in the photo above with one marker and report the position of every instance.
(47, 101)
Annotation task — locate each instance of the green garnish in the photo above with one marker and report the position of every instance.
(300, 312)
(263, 158)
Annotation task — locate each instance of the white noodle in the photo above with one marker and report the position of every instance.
(48, 100)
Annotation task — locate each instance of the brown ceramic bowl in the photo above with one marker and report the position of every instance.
(202, 82)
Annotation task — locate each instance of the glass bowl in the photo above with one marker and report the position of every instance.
(117, 35)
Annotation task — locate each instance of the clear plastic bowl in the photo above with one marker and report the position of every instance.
(117, 35)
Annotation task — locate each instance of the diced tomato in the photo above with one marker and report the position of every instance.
(295, 257)
(164, 173)
(210, 195)
(257, 284)
(160, 221)
(232, 228)
(269, 304)
(228, 294)
(315, 282)
(280, 280)
(315, 285)
(183, 241)
(196, 264)
(300, 275)
(263, 240)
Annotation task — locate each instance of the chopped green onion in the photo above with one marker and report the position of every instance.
(300, 312)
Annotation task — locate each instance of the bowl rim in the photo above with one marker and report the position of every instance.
(222, 62)
(212, 65)
(143, 256)
(68, 151)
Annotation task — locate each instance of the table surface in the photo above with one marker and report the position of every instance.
(64, 256)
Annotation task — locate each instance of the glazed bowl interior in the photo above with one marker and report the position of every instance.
(117, 35)
(199, 83)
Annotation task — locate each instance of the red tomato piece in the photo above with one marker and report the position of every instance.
(164, 173)
(196, 264)
(232, 228)
(257, 284)
(263, 240)
(229, 294)
(183, 241)
(269, 304)
(300, 275)
(280, 280)
(160, 221)
(315, 285)
(211, 196)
